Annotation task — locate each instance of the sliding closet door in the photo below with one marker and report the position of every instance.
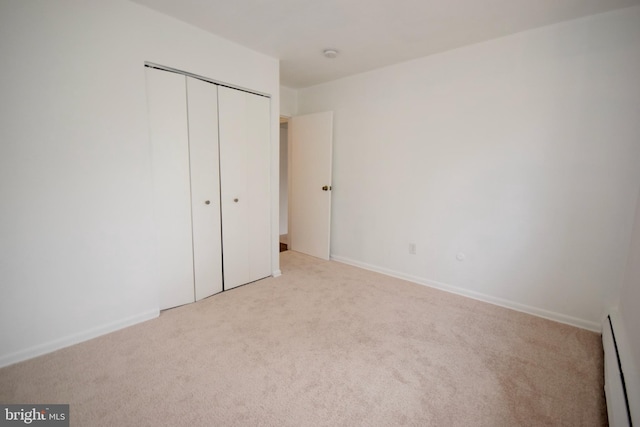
(244, 174)
(205, 186)
(167, 105)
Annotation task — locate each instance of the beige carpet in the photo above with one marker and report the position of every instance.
(325, 344)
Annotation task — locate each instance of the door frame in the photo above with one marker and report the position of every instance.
(287, 120)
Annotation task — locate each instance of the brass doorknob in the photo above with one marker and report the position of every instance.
(235, 200)
(326, 188)
(206, 202)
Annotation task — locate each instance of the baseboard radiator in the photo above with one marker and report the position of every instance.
(619, 375)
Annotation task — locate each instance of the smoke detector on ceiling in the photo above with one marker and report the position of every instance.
(330, 53)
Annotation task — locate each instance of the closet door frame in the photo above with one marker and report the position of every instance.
(252, 240)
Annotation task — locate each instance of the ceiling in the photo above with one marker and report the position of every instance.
(368, 34)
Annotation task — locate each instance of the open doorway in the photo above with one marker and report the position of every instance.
(284, 184)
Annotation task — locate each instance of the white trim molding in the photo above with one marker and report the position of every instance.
(558, 317)
(77, 338)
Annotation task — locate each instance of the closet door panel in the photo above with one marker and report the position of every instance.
(202, 101)
(172, 203)
(257, 115)
(233, 184)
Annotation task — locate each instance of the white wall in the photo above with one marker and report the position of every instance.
(288, 101)
(284, 178)
(76, 248)
(522, 153)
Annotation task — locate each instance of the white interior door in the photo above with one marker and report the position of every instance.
(202, 101)
(244, 179)
(167, 105)
(310, 152)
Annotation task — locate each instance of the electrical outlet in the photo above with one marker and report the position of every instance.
(412, 248)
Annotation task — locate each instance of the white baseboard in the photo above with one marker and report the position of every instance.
(38, 350)
(558, 317)
(277, 273)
